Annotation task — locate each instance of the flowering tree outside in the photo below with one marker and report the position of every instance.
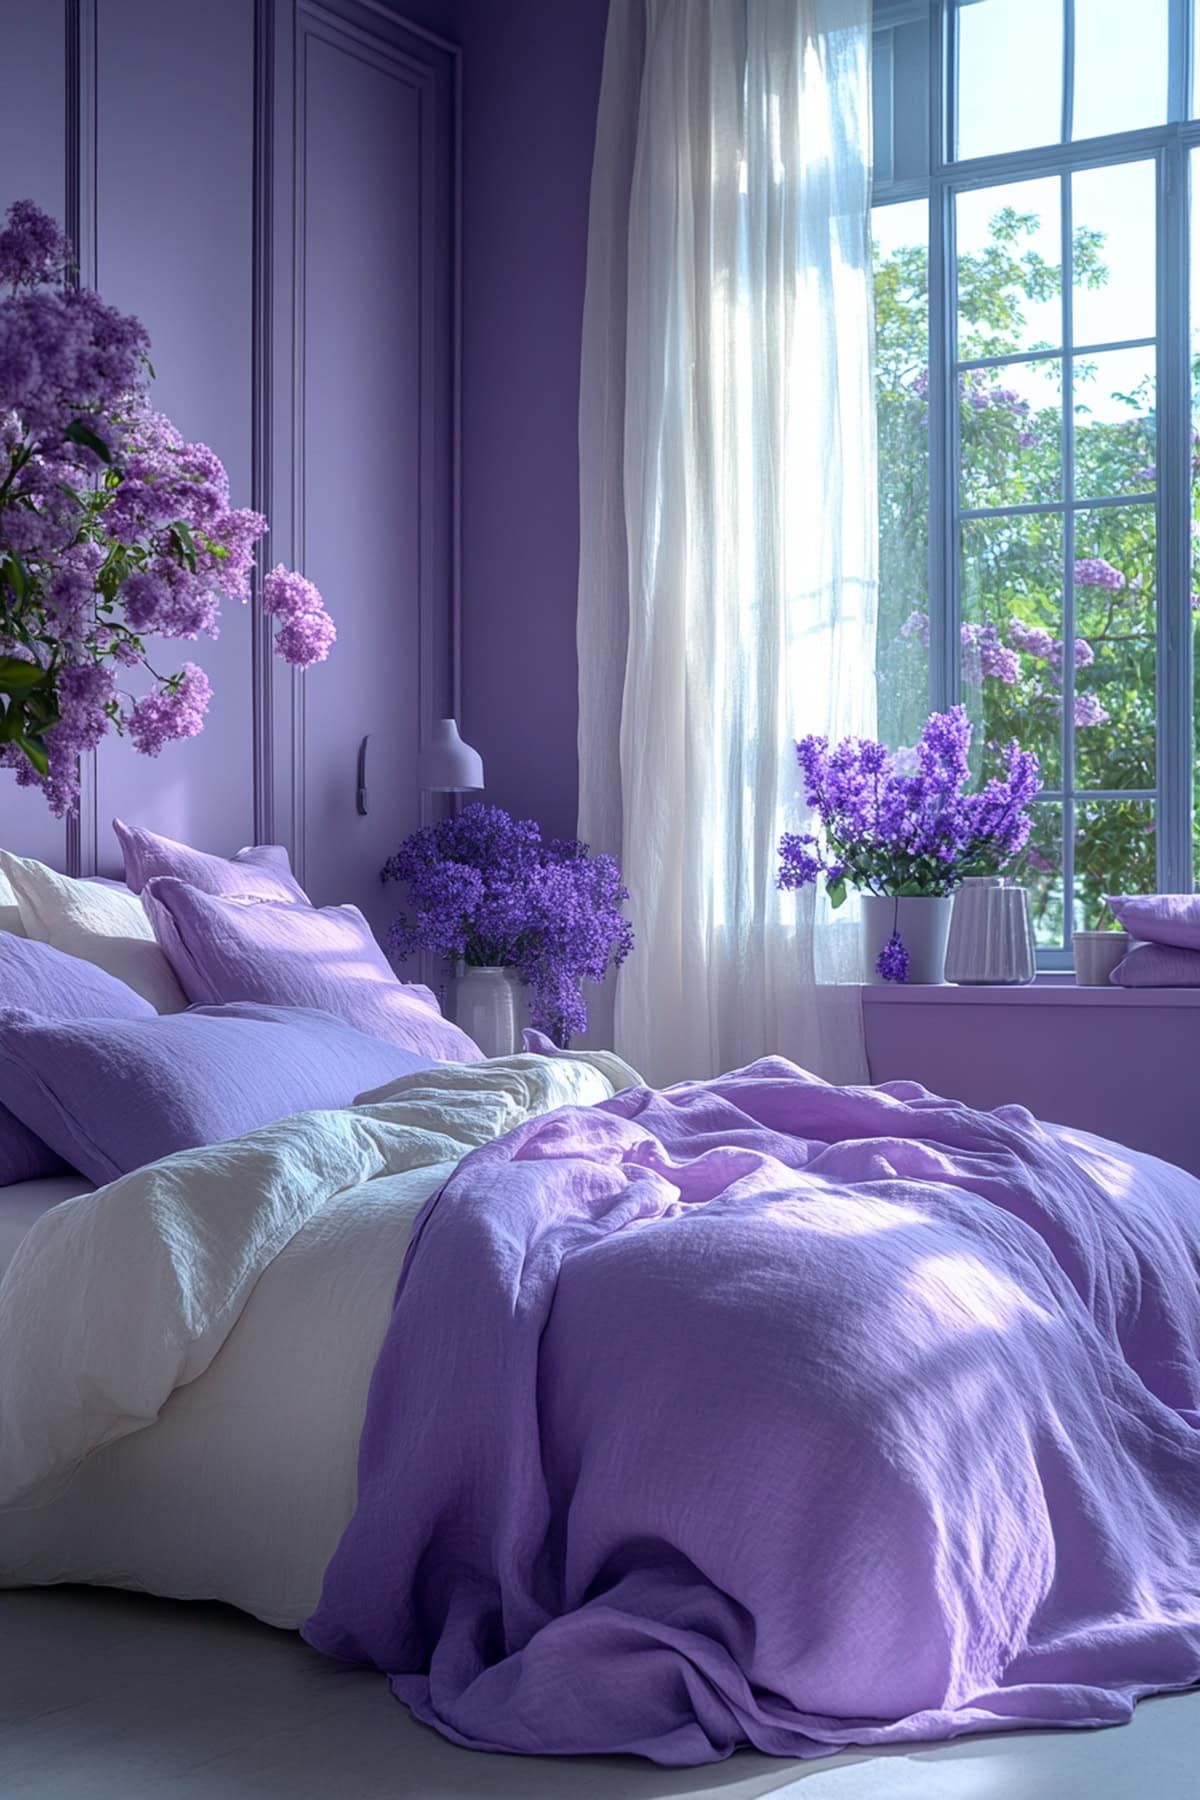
(113, 530)
(1012, 573)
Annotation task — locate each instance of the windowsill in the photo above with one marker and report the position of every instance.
(1047, 990)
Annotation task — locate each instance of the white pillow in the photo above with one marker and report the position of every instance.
(10, 912)
(98, 922)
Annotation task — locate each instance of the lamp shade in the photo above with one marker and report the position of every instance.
(446, 765)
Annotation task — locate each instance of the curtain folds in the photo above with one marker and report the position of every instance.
(728, 532)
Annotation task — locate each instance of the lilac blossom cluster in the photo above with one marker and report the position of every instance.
(981, 398)
(988, 657)
(900, 824)
(486, 888)
(113, 529)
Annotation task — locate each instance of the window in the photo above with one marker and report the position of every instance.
(1037, 380)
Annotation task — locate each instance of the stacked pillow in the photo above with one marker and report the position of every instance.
(291, 1007)
(281, 955)
(261, 872)
(10, 911)
(97, 922)
(1167, 930)
(112, 1094)
(63, 990)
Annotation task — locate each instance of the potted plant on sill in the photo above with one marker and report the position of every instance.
(517, 912)
(898, 828)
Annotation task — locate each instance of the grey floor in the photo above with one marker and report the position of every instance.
(108, 1696)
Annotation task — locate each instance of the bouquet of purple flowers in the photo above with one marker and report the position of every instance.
(485, 888)
(900, 825)
(112, 530)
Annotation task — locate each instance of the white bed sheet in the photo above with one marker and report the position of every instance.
(24, 1201)
(220, 1438)
(242, 1487)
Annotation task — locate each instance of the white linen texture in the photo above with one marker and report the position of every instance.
(184, 1354)
(100, 922)
(727, 595)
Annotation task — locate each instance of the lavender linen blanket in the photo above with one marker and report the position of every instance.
(765, 1411)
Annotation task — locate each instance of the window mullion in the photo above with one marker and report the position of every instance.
(1068, 591)
(944, 599)
(1173, 530)
(1179, 67)
(1068, 83)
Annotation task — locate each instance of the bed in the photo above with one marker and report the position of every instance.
(754, 1411)
(22, 1203)
(242, 1478)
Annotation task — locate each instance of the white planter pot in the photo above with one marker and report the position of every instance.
(923, 925)
(490, 1005)
(991, 935)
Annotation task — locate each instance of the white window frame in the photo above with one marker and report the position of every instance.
(1169, 147)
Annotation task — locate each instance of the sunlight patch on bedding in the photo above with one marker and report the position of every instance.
(965, 1294)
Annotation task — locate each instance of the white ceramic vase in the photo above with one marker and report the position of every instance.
(490, 1006)
(923, 923)
(991, 935)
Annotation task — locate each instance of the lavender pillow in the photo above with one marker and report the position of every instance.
(1158, 965)
(36, 975)
(1159, 918)
(261, 872)
(223, 949)
(113, 1094)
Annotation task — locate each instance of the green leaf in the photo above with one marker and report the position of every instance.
(18, 676)
(79, 433)
(185, 544)
(36, 754)
(910, 890)
(836, 892)
(16, 575)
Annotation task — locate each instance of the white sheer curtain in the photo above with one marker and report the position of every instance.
(728, 531)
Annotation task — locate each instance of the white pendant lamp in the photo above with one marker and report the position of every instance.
(446, 765)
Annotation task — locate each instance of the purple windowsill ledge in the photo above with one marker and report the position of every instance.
(1054, 988)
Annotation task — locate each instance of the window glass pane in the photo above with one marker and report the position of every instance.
(1009, 268)
(1009, 75)
(1115, 853)
(902, 381)
(1010, 433)
(1114, 423)
(1115, 648)
(1011, 635)
(900, 109)
(1195, 479)
(1120, 66)
(1040, 870)
(1112, 215)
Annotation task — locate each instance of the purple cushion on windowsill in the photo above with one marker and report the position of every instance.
(224, 949)
(1159, 918)
(36, 976)
(1157, 965)
(113, 1094)
(260, 872)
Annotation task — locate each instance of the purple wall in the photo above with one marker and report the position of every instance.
(532, 81)
(301, 310)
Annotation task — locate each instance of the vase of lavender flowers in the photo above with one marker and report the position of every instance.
(530, 919)
(492, 1006)
(900, 830)
(904, 937)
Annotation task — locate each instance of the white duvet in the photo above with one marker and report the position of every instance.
(184, 1355)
